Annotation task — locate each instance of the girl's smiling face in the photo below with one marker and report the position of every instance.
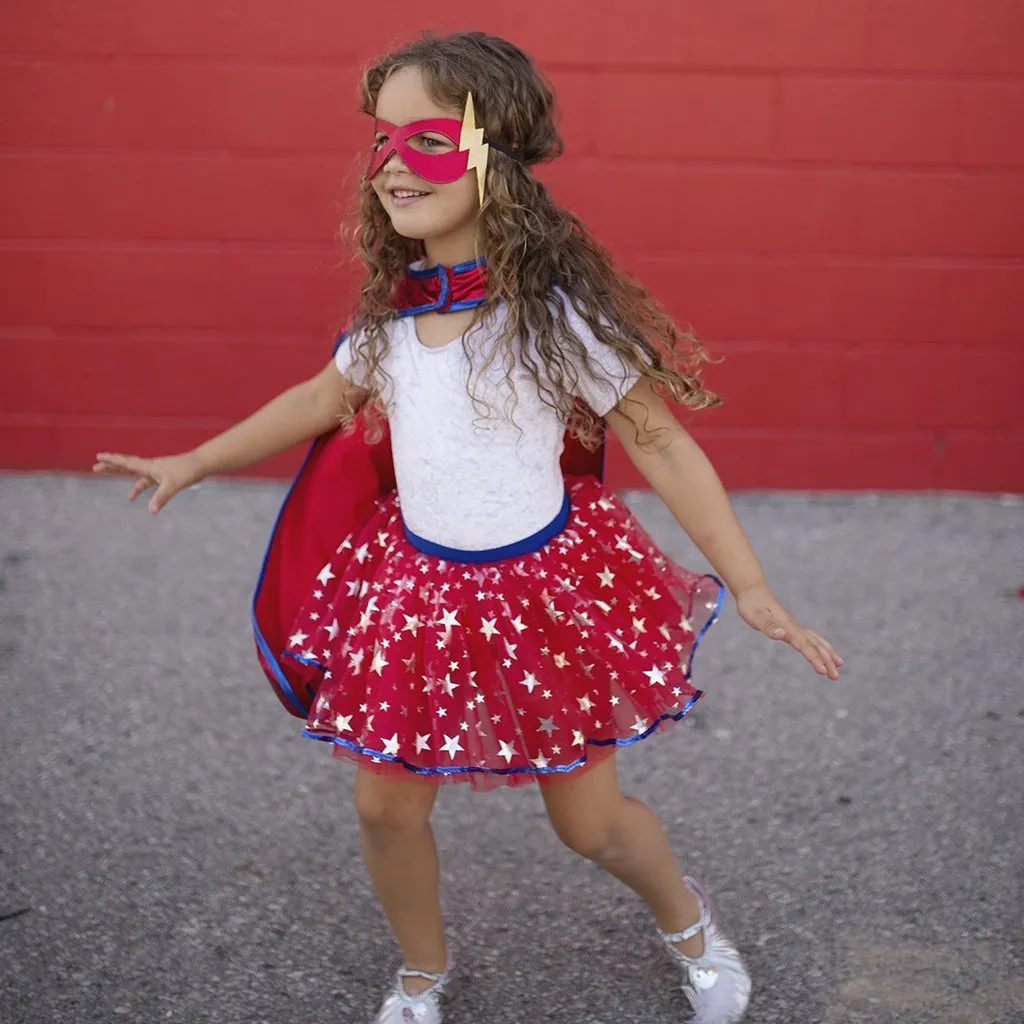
(444, 217)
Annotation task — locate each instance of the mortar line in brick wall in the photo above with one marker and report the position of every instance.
(858, 345)
(732, 432)
(214, 423)
(582, 160)
(348, 64)
(355, 157)
(343, 64)
(270, 247)
(320, 340)
(821, 432)
(880, 74)
(712, 163)
(131, 335)
(25, 419)
(776, 258)
(1014, 433)
(337, 262)
(862, 346)
(742, 257)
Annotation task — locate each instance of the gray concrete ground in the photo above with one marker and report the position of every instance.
(172, 850)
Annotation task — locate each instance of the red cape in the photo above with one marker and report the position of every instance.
(332, 495)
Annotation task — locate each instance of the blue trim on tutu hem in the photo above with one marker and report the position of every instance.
(559, 769)
(464, 770)
(712, 619)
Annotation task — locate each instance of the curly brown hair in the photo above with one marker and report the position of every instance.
(538, 254)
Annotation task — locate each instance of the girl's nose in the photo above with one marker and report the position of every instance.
(394, 164)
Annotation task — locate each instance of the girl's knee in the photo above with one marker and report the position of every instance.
(592, 842)
(386, 804)
(592, 836)
(586, 812)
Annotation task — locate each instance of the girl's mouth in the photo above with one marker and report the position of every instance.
(405, 196)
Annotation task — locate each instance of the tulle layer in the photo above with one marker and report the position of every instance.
(506, 672)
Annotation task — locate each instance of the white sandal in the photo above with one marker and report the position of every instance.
(401, 1007)
(716, 983)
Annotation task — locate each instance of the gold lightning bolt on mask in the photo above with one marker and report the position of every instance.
(471, 141)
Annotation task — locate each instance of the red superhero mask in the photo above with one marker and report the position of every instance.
(440, 168)
(409, 142)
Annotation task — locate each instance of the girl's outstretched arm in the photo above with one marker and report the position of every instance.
(299, 414)
(676, 467)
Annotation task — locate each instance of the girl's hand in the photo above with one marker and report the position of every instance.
(169, 475)
(760, 608)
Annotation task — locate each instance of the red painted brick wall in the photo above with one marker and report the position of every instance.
(829, 190)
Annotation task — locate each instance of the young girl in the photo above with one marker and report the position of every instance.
(481, 609)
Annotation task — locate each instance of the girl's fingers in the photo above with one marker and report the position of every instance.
(157, 473)
(122, 463)
(109, 468)
(824, 659)
(142, 484)
(802, 642)
(777, 625)
(810, 652)
(827, 656)
(827, 647)
(164, 493)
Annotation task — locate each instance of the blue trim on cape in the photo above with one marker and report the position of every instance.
(303, 660)
(264, 648)
(268, 658)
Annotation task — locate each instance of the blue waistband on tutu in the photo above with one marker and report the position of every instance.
(520, 547)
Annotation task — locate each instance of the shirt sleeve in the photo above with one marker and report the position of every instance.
(347, 366)
(603, 386)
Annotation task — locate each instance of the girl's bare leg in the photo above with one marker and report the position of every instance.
(401, 857)
(591, 815)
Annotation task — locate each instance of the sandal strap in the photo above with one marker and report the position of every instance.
(412, 972)
(702, 922)
(687, 933)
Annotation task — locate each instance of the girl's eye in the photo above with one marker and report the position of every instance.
(379, 141)
(429, 142)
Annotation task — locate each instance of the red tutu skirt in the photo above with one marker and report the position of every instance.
(501, 672)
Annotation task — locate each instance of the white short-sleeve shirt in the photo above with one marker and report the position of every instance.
(469, 479)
